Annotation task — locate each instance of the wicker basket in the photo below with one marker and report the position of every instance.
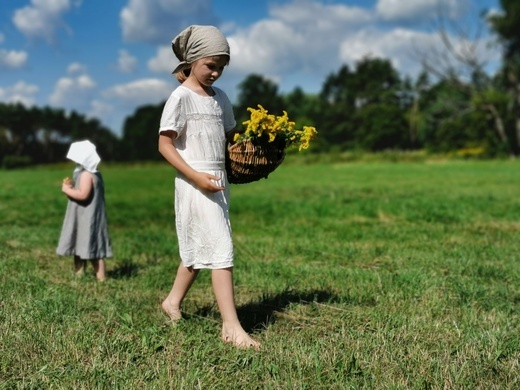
(247, 162)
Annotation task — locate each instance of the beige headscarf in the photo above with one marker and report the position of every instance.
(196, 42)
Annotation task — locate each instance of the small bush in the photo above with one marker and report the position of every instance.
(12, 162)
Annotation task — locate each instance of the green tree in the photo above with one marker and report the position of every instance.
(380, 100)
(449, 122)
(255, 90)
(43, 135)
(337, 106)
(140, 134)
(366, 107)
(507, 26)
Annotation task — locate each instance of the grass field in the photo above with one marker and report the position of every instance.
(354, 275)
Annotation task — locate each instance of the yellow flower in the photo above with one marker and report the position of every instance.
(265, 127)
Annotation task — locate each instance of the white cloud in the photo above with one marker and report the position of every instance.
(121, 100)
(12, 59)
(298, 36)
(100, 109)
(158, 21)
(126, 63)
(164, 62)
(419, 10)
(400, 46)
(42, 18)
(407, 49)
(144, 91)
(305, 14)
(21, 92)
(76, 68)
(73, 92)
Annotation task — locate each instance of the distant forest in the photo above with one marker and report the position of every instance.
(368, 107)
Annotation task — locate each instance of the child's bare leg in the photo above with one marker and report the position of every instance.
(182, 283)
(232, 331)
(99, 269)
(79, 266)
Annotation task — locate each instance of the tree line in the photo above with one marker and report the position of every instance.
(365, 107)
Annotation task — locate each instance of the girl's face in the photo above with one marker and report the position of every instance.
(208, 70)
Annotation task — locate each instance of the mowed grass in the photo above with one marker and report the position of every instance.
(356, 275)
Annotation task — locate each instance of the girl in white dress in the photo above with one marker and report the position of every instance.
(196, 122)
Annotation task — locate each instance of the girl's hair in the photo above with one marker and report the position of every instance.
(184, 74)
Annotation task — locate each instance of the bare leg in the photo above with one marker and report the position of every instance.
(79, 266)
(183, 281)
(99, 269)
(232, 331)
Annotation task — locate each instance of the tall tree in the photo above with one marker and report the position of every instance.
(337, 106)
(255, 90)
(507, 26)
(42, 135)
(380, 116)
(459, 60)
(140, 134)
(363, 108)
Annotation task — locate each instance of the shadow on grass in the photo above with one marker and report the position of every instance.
(262, 313)
(127, 269)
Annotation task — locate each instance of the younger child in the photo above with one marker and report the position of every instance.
(194, 125)
(84, 234)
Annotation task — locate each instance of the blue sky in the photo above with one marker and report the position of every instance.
(105, 58)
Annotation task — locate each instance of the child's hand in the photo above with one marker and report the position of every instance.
(207, 182)
(67, 183)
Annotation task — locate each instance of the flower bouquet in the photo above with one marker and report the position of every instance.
(260, 149)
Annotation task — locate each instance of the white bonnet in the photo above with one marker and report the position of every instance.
(84, 153)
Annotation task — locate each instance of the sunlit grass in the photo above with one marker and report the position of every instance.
(370, 274)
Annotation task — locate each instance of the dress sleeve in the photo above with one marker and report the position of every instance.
(228, 115)
(174, 115)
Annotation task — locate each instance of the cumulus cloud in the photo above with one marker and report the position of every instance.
(12, 59)
(42, 18)
(100, 109)
(316, 16)
(73, 92)
(126, 63)
(157, 21)
(401, 46)
(21, 92)
(298, 38)
(419, 10)
(144, 91)
(76, 68)
(164, 61)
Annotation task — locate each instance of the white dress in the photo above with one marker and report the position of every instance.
(201, 218)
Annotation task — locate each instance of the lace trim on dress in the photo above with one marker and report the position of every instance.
(201, 117)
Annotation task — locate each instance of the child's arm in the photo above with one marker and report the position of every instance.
(84, 189)
(203, 181)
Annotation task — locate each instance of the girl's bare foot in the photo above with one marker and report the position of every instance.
(239, 338)
(79, 273)
(79, 266)
(99, 269)
(173, 312)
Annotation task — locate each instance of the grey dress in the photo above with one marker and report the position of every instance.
(85, 228)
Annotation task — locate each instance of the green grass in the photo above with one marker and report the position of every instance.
(352, 275)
